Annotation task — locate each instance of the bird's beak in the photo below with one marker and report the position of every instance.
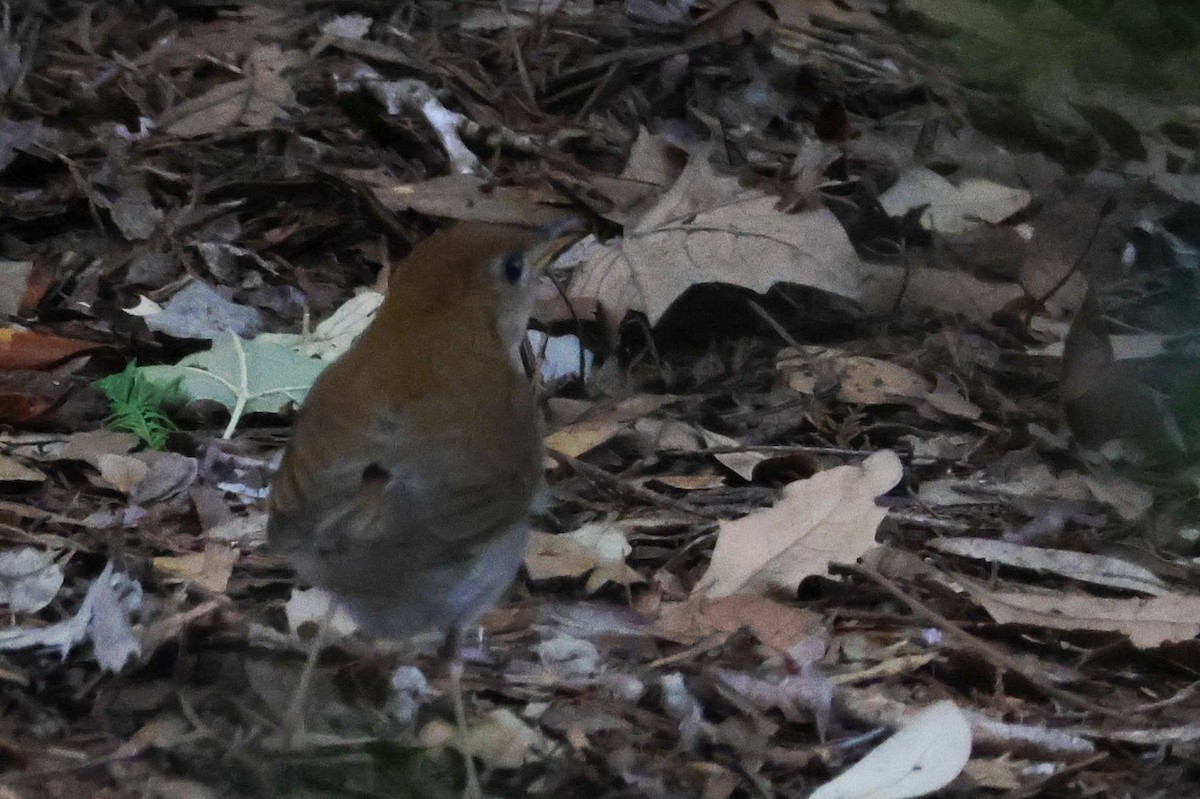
(553, 240)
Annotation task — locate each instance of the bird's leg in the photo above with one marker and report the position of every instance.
(293, 720)
(451, 652)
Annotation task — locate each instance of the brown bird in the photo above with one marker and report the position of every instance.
(416, 457)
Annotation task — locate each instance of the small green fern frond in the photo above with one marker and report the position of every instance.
(138, 405)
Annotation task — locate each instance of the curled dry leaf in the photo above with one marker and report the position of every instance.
(869, 381)
(1083, 566)
(251, 102)
(829, 517)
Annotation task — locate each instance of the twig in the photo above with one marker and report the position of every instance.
(645, 495)
(989, 651)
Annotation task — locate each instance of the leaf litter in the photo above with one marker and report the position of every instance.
(890, 412)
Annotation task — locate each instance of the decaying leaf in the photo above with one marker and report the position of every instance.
(500, 740)
(827, 518)
(30, 579)
(103, 617)
(13, 471)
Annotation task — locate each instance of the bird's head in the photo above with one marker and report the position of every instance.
(475, 272)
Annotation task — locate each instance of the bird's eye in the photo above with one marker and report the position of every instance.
(514, 265)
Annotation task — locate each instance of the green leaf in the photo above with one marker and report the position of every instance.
(246, 376)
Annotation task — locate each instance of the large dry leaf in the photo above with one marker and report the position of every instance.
(1061, 237)
(919, 287)
(707, 229)
(1147, 622)
(923, 756)
(830, 517)
(13, 471)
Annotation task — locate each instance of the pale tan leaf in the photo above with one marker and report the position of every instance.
(1147, 622)
(952, 209)
(13, 471)
(746, 243)
(122, 472)
(598, 550)
(830, 517)
(210, 569)
(690, 482)
(924, 755)
(870, 381)
(740, 463)
(707, 229)
(1082, 566)
(576, 439)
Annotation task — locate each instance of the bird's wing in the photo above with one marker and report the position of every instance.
(426, 490)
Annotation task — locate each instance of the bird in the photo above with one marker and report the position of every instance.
(416, 458)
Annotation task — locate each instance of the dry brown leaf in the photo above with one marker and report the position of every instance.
(122, 472)
(598, 550)
(576, 439)
(1147, 622)
(28, 349)
(776, 625)
(463, 197)
(919, 287)
(1061, 235)
(209, 569)
(952, 209)
(254, 101)
(870, 381)
(830, 517)
(690, 482)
